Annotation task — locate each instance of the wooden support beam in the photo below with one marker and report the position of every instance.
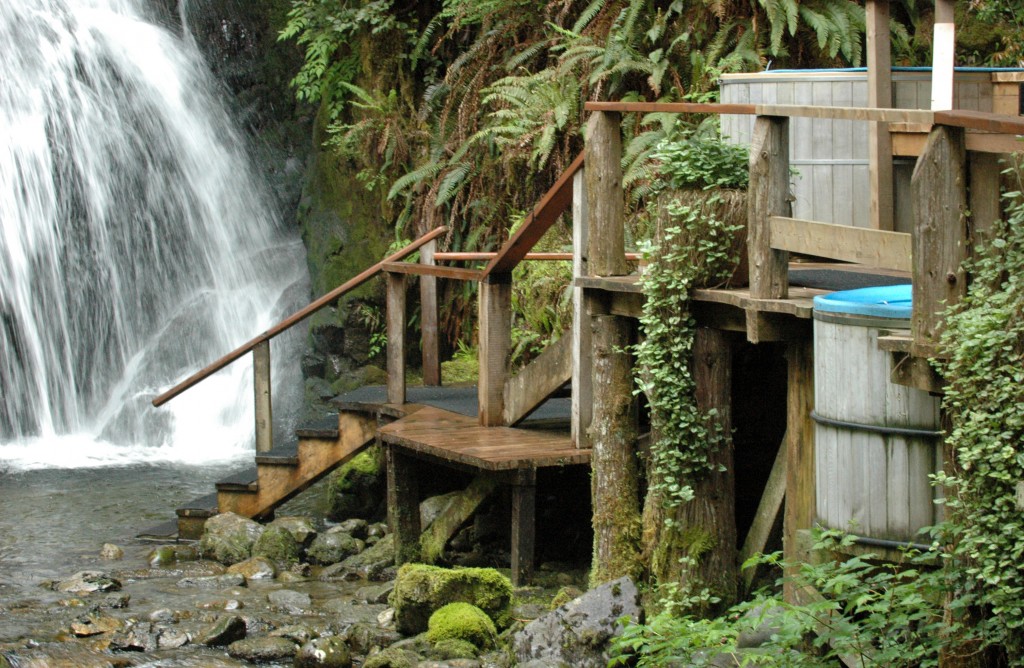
(582, 371)
(873, 248)
(768, 196)
(524, 525)
(615, 477)
(430, 341)
(800, 461)
(767, 514)
(403, 504)
(847, 113)
(939, 190)
(606, 250)
(879, 55)
(539, 380)
(436, 536)
(416, 269)
(671, 108)
(916, 372)
(765, 327)
(495, 318)
(396, 338)
(261, 392)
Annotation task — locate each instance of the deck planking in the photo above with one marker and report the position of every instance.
(459, 438)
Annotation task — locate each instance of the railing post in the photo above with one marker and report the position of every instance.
(396, 337)
(495, 316)
(261, 391)
(582, 385)
(768, 195)
(430, 342)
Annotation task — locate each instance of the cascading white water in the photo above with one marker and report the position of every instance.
(136, 244)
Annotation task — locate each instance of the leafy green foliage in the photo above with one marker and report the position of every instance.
(702, 160)
(871, 613)
(984, 341)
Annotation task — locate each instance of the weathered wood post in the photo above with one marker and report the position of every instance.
(524, 528)
(261, 391)
(879, 53)
(430, 342)
(396, 338)
(613, 429)
(800, 463)
(403, 504)
(939, 191)
(495, 316)
(582, 370)
(768, 195)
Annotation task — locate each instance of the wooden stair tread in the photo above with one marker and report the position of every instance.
(326, 427)
(286, 454)
(240, 481)
(202, 506)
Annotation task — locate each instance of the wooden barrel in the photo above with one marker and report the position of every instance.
(876, 442)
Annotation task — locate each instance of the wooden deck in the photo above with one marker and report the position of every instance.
(453, 437)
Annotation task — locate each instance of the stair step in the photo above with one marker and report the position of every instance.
(162, 532)
(241, 481)
(286, 454)
(326, 427)
(203, 506)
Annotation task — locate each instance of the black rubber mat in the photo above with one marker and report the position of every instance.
(837, 279)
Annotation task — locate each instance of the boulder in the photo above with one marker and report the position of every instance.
(301, 528)
(330, 652)
(278, 544)
(420, 590)
(262, 650)
(224, 631)
(87, 582)
(256, 568)
(111, 552)
(357, 488)
(229, 538)
(461, 621)
(578, 633)
(292, 602)
(392, 658)
(364, 637)
(137, 637)
(333, 547)
(373, 563)
(355, 527)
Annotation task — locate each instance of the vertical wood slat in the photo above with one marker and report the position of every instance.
(768, 195)
(582, 382)
(261, 395)
(495, 318)
(940, 234)
(431, 344)
(524, 523)
(800, 467)
(879, 95)
(606, 252)
(403, 504)
(396, 337)
(985, 202)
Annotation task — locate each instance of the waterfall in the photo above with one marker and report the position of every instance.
(137, 243)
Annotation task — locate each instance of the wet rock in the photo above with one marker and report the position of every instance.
(355, 527)
(213, 581)
(163, 615)
(301, 528)
(578, 632)
(292, 602)
(377, 530)
(172, 639)
(224, 631)
(451, 663)
(87, 582)
(340, 573)
(111, 552)
(229, 538)
(333, 547)
(256, 568)
(420, 590)
(344, 613)
(298, 634)
(288, 577)
(392, 658)
(277, 544)
(136, 637)
(331, 652)
(364, 637)
(221, 604)
(94, 625)
(114, 601)
(373, 563)
(162, 556)
(262, 650)
(375, 593)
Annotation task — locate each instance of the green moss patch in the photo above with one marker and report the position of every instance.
(461, 621)
(420, 590)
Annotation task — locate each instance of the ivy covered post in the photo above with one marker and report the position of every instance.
(613, 432)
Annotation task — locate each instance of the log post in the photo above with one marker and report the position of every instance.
(939, 190)
(396, 338)
(495, 315)
(879, 52)
(801, 501)
(605, 199)
(261, 392)
(768, 195)
(430, 342)
(524, 524)
(582, 387)
(403, 504)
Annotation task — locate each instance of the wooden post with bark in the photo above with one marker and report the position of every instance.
(582, 371)
(524, 519)
(261, 392)
(801, 492)
(430, 341)
(940, 239)
(613, 430)
(768, 195)
(403, 504)
(495, 315)
(396, 338)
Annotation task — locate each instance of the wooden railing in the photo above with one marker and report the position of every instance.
(260, 345)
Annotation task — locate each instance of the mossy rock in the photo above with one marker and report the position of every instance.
(461, 621)
(356, 490)
(420, 590)
(229, 538)
(564, 595)
(333, 547)
(277, 544)
(392, 658)
(452, 648)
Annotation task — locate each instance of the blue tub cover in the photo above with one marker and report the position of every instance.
(888, 301)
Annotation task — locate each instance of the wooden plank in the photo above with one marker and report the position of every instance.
(628, 284)
(436, 536)
(979, 120)
(911, 141)
(847, 113)
(524, 525)
(939, 188)
(582, 373)
(539, 380)
(403, 505)
(764, 327)
(415, 269)
(430, 342)
(495, 323)
(670, 108)
(800, 303)
(768, 196)
(873, 248)
(261, 391)
(396, 338)
(767, 514)
(879, 55)
(606, 241)
(800, 467)
(543, 216)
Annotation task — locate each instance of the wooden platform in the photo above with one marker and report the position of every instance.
(457, 438)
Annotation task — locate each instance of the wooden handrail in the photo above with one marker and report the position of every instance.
(296, 317)
(474, 256)
(543, 216)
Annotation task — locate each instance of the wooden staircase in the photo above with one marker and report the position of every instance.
(280, 473)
